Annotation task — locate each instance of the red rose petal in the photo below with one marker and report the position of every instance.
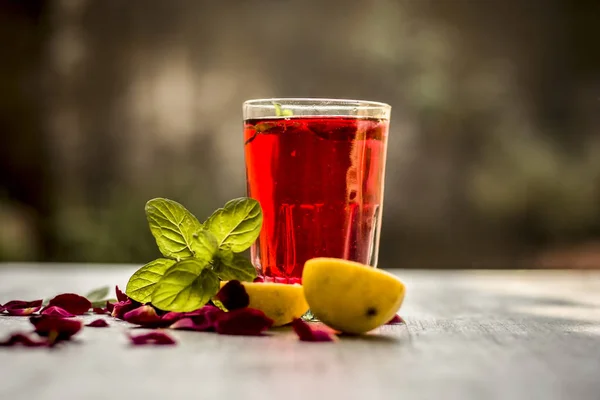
(21, 308)
(259, 279)
(306, 333)
(109, 306)
(56, 312)
(152, 338)
(209, 310)
(243, 321)
(100, 311)
(200, 324)
(123, 307)
(395, 320)
(98, 323)
(24, 340)
(233, 295)
(73, 303)
(56, 328)
(143, 315)
(120, 295)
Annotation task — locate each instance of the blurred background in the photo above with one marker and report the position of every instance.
(494, 147)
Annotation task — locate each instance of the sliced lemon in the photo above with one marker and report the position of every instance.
(349, 296)
(279, 301)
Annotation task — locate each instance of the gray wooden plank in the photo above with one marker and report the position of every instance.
(469, 335)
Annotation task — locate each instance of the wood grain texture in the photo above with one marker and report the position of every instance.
(468, 335)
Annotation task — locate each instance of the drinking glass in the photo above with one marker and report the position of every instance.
(317, 168)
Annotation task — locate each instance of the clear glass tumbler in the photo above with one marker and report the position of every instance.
(317, 168)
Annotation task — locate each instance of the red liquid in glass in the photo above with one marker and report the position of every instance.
(319, 181)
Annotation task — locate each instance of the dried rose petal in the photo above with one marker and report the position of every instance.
(143, 315)
(395, 320)
(123, 307)
(23, 339)
(98, 323)
(55, 328)
(306, 333)
(152, 338)
(120, 295)
(200, 324)
(233, 295)
(21, 308)
(73, 303)
(100, 311)
(243, 321)
(56, 312)
(173, 316)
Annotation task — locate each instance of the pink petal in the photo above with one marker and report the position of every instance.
(395, 320)
(120, 295)
(56, 328)
(98, 323)
(56, 312)
(24, 340)
(152, 338)
(123, 307)
(243, 321)
(200, 324)
(233, 295)
(143, 315)
(21, 308)
(173, 316)
(73, 303)
(307, 333)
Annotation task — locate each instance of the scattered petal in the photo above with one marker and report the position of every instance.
(233, 295)
(306, 333)
(395, 320)
(120, 295)
(110, 306)
(200, 324)
(143, 315)
(123, 307)
(21, 308)
(152, 338)
(55, 328)
(210, 311)
(73, 303)
(56, 312)
(259, 279)
(24, 340)
(100, 311)
(243, 321)
(98, 323)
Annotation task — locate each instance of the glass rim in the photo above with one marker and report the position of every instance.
(317, 102)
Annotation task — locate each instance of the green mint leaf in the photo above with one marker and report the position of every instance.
(186, 286)
(173, 227)
(98, 294)
(237, 225)
(143, 282)
(232, 266)
(282, 112)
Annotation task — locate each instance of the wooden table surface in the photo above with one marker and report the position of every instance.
(468, 335)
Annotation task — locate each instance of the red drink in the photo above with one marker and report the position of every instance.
(319, 181)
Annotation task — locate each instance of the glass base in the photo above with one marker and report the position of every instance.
(309, 317)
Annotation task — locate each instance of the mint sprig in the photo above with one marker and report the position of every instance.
(196, 256)
(282, 112)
